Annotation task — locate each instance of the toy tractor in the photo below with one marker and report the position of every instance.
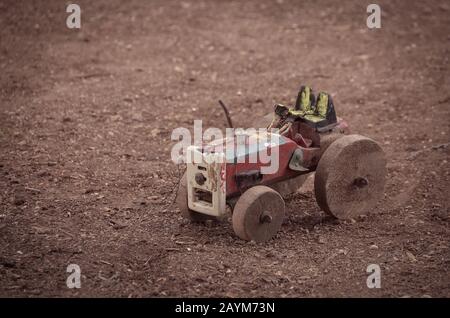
(349, 171)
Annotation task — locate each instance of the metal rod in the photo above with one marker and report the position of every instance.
(227, 114)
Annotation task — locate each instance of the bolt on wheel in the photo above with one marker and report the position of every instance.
(258, 214)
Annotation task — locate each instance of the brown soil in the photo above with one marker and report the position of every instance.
(85, 123)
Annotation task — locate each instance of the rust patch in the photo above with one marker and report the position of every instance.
(213, 170)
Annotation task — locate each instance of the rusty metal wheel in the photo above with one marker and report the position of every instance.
(258, 214)
(182, 202)
(350, 177)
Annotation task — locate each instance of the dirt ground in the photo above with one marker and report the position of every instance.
(86, 118)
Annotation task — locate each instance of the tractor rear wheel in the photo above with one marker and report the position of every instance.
(350, 177)
(258, 214)
(182, 202)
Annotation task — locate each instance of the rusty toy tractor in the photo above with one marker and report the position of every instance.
(349, 171)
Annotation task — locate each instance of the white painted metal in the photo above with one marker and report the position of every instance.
(213, 167)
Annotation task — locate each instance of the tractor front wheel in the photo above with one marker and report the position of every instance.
(258, 214)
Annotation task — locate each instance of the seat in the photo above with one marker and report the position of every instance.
(324, 113)
(304, 104)
(317, 113)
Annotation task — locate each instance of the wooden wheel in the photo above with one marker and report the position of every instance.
(258, 214)
(350, 177)
(182, 202)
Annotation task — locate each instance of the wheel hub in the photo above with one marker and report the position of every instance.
(361, 182)
(265, 217)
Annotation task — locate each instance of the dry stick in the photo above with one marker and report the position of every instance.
(148, 260)
(105, 262)
(33, 189)
(67, 233)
